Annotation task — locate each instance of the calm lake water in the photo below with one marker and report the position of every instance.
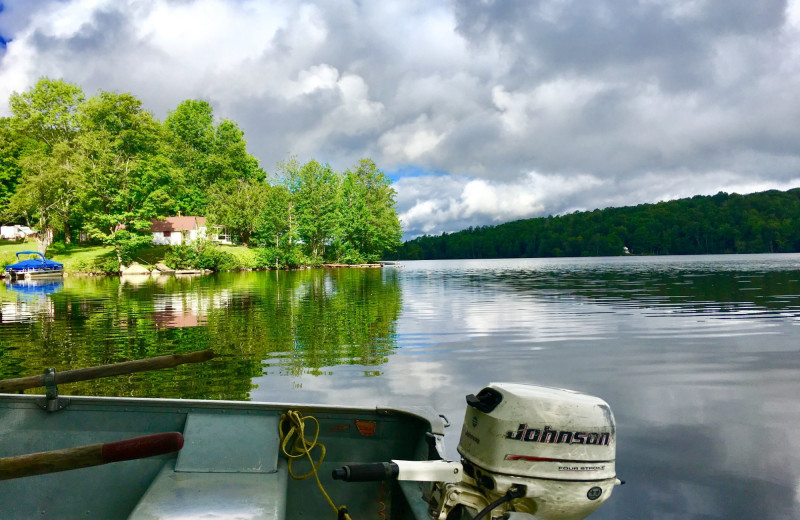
(699, 357)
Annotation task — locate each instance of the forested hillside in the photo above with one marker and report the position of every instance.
(100, 169)
(767, 222)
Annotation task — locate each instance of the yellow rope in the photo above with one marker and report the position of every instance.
(301, 448)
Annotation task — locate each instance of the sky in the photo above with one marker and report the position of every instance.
(480, 111)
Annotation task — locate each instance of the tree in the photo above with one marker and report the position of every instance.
(369, 225)
(48, 112)
(756, 223)
(238, 207)
(13, 145)
(315, 192)
(48, 115)
(274, 222)
(229, 159)
(286, 177)
(207, 155)
(127, 178)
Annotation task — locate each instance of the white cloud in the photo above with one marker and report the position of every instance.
(431, 203)
(409, 142)
(633, 99)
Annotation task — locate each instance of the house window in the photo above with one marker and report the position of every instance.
(167, 234)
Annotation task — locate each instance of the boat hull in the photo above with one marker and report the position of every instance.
(35, 275)
(231, 462)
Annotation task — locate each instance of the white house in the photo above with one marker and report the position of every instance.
(174, 231)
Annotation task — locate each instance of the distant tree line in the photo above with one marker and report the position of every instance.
(767, 222)
(104, 167)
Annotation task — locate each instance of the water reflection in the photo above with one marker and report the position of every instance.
(35, 286)
(699, 357)
(27, 300)
(280, 322)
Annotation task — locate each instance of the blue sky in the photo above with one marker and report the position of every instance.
(480, 111)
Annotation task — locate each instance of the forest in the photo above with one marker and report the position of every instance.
(766, 222)
(100, 168)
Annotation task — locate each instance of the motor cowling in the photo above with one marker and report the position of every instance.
(559, 444)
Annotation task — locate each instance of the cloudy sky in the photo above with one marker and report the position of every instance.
(481, 111)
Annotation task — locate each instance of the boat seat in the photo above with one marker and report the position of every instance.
(228, 468)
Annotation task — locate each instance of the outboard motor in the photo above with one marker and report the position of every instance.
(554, 449)
(527, 452)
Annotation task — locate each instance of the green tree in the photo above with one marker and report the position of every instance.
(48, 115)
(368, 224)
(13, 145)
(315, 190)
(127, 180)
(274, 220)
(238, 206)
(286, 177)
(207, 155)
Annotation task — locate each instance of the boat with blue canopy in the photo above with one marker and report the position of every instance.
(39, 267)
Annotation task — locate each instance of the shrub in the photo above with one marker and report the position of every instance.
(200, 254)
(267, 258)
(105, 264)
(272, 257)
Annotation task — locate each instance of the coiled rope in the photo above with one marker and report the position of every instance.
(292, 430)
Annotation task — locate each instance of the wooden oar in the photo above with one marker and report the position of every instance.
(93, 455)
(116, 369)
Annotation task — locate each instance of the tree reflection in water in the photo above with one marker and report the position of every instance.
(295, 322)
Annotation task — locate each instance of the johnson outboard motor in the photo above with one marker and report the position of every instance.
(527, 452)
(555, 449)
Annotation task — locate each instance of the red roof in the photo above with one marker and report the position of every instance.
(177, 224)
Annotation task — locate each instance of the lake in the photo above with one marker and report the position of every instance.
(698, 356)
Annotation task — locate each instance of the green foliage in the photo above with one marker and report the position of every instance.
(281, 258)
(48, 111)
(126, 181)
(104, 264)
(315, 192)
(12, 146)
(103, 166)
(274, 225)
(369, 226)
(207, 156)
(200, 254)
(47, 115)
(127, 244)
(344, 217)
(238, 207)
(764, 222)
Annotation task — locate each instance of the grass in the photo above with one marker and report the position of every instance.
(79, 258)
(244, 255)
(85, 258)
(8, 250)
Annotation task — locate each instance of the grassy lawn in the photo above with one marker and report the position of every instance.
(9, 248)
(78, 257)
(74, 257)
(244, 255)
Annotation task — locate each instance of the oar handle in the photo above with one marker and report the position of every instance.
(93, 455)
(115, 369)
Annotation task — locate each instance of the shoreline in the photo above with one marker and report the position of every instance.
(193, 272)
